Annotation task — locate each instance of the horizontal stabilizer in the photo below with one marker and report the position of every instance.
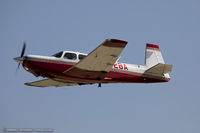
(160, 69)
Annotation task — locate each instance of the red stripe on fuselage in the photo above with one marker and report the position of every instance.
(58, 66)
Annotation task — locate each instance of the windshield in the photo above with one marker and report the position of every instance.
(58, 55)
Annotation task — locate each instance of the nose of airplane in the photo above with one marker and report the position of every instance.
(19, 59)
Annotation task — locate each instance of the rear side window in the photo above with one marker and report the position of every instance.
(58, 55)
(70, 56)
(81, 56)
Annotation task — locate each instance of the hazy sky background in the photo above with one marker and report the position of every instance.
(49, 26)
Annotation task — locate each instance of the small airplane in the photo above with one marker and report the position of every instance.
(101, 66)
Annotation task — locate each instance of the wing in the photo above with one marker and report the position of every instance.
(99, 62)
(50, 82)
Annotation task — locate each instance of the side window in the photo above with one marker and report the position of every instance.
(58, 55)
(81, 56)
(70, 56)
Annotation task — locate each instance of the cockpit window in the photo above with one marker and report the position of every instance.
(81, 56)
(58, 55)
(70, 56)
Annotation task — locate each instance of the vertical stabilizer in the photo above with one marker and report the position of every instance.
(153, 55)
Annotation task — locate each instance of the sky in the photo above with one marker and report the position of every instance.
(50, 26)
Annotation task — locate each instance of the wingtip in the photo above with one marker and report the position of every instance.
(117, 41)
(27, 84)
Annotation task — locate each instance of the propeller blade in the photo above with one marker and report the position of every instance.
(18, 65)
(23, 49)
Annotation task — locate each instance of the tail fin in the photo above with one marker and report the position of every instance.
(153, 55)
(154, 61)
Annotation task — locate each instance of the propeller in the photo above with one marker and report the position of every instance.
(21, 58)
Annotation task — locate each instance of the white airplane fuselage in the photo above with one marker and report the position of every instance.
(52, 67)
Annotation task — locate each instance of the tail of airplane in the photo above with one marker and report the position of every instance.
(154, 61)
